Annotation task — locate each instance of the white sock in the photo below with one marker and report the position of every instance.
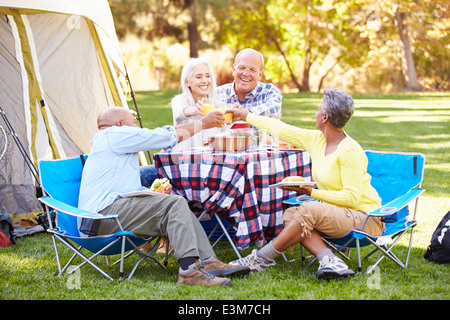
(268, 252)
(324, 253)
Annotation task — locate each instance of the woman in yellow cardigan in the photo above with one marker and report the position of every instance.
(340, 173)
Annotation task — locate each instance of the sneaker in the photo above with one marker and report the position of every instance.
(254, 262)
(197, 276)
(218, 268)
(333, 268)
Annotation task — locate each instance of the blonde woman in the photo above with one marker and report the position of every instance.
(197, 81)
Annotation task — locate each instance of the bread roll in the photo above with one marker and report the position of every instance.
(160, 185)
(293, 178)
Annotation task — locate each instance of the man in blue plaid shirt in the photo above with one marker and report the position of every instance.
(247, 90)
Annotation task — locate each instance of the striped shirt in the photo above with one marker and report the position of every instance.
(264, 100)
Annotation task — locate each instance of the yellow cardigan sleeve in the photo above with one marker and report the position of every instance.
(301, 138)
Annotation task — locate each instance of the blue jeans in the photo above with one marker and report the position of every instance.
(148, 174)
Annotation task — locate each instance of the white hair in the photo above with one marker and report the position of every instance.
(188, 71)
(338, 104)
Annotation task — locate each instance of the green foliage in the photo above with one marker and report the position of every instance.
(308, 44)
(401, 122)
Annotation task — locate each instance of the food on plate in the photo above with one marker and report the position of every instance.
(266, 139)
(160, 185)
(285, 145)
(293, 179)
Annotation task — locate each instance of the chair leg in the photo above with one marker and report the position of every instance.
(303, 256)
(358, 253)
(84, 257)
(386, 252)
(146, 256)
(220, 237)
(122, 257)
(56, 254)
(227, 235)
(70, 262)
(409, 247)
(168, 254)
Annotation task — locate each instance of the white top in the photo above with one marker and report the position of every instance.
(179, 103)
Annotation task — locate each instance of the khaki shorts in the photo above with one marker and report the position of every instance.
(332, 221)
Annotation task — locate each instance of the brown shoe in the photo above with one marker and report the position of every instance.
(199, 277)
(218, 268)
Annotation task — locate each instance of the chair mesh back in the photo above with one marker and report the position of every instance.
(394, 174)
(61, 180)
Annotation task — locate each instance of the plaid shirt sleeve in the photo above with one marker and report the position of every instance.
(264, 100)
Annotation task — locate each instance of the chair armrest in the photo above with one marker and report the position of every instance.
(71, 210)
(397, 204)
(299, 200)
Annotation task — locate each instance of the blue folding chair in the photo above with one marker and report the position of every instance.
(397, 177)
(60, 180)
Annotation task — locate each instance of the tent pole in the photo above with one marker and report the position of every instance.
(22, 150)
(136, 108)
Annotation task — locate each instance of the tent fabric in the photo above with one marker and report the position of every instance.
(60, 65)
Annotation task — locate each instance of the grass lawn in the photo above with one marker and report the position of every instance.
(400, 122)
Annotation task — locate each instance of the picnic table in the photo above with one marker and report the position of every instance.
(235, 185)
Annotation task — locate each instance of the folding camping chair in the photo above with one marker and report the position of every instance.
(60, 180)
(397, 177)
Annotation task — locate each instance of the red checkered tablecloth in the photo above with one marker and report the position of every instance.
(236, 186)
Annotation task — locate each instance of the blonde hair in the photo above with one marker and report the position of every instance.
(188, 71)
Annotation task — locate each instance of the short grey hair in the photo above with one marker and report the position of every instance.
(251, 50)
(338, 105)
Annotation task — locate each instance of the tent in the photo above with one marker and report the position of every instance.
(60, 65)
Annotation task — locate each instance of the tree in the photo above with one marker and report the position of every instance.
(300, 34)
(161, 19)
(408, 67)
(194, 36)
(389, 45)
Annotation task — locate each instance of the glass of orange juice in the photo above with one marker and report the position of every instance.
(208, 105)
(228, 116)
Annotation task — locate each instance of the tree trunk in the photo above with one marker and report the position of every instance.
(194, 36)
(293, 77)
(408, 67)
(322, 79)
(306, 68)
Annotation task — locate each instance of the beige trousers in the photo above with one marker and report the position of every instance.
(332, 221)
(160, 215)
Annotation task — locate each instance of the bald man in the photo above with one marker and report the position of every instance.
(247, 91)
(112, 169)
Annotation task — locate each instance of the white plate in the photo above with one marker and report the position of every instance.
(292, 184)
